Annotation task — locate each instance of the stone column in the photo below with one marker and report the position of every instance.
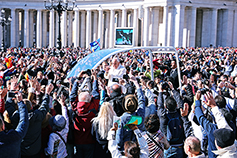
(64, 28)
(17, 28)
(119, 18)
(165, 24)
(39, 30)
(88, 28)
(13, 28)
(106, 34)
(51, 29)
(192, 37)
(44, 30)
(135, 36)
(155, 26)
(70, 28)
(22, 28)
(100, 24)
(235, 30)
(83, 29)
(229, 32)
(179, 22)
(26, 28)
(111, 34)
(76, 28)
(214, 26)
(95, 25)
(31, 27)
(170, 26)
(56, 29)
(124, 17)
(146, 26)
(129, 19)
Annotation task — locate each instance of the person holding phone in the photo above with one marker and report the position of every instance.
(114, 72)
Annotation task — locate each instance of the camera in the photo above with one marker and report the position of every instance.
(226, 84)
(126, 77)
(88, 72)
(62, 90)
(115, 80)
(100, 74)
(205, 81)
(204, 90)
(165, 85)
(11, 94)
(169, 79)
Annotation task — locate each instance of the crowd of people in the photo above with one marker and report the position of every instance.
(116, 109)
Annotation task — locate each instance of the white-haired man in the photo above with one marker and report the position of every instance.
(192, 147)
(114, 72)
(85, 107)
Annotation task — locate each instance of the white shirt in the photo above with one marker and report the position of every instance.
(115, 73)
(229, 151)
(56, 145)
(197, 129)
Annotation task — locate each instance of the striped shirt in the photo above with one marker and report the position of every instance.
(154, 150)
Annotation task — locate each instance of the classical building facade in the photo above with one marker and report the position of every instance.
(179, 23)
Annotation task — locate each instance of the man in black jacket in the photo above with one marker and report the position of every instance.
(11, 140)
(174, 74)
(116, 98)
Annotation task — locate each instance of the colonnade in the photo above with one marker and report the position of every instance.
(176, 25)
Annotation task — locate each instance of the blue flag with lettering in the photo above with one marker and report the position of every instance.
(95, 45)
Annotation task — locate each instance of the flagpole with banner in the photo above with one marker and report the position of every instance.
(95, 45)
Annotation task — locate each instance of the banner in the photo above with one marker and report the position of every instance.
(95, 45)
(90, 61)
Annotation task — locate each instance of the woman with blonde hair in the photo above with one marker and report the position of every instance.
(100, 128)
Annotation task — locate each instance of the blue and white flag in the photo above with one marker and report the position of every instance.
(95, 45)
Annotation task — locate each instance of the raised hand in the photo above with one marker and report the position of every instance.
(38, 86)
(198, 95)
(184, 111)
(171, 85)
(93, 73)
(33, 82)
(62, 99)
(49, 88)
(210, 101)
(19, 97)
(14, 83)
(3, 93)
(115, 127)
(80, 74)
(185, 80)
(134, 80)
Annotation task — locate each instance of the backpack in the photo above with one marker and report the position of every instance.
(117, 105)
(174, 127)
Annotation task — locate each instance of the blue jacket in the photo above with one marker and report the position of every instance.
(161, 112)
(31, 144)
(10, 142)
(208, 127)
(124, 135)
